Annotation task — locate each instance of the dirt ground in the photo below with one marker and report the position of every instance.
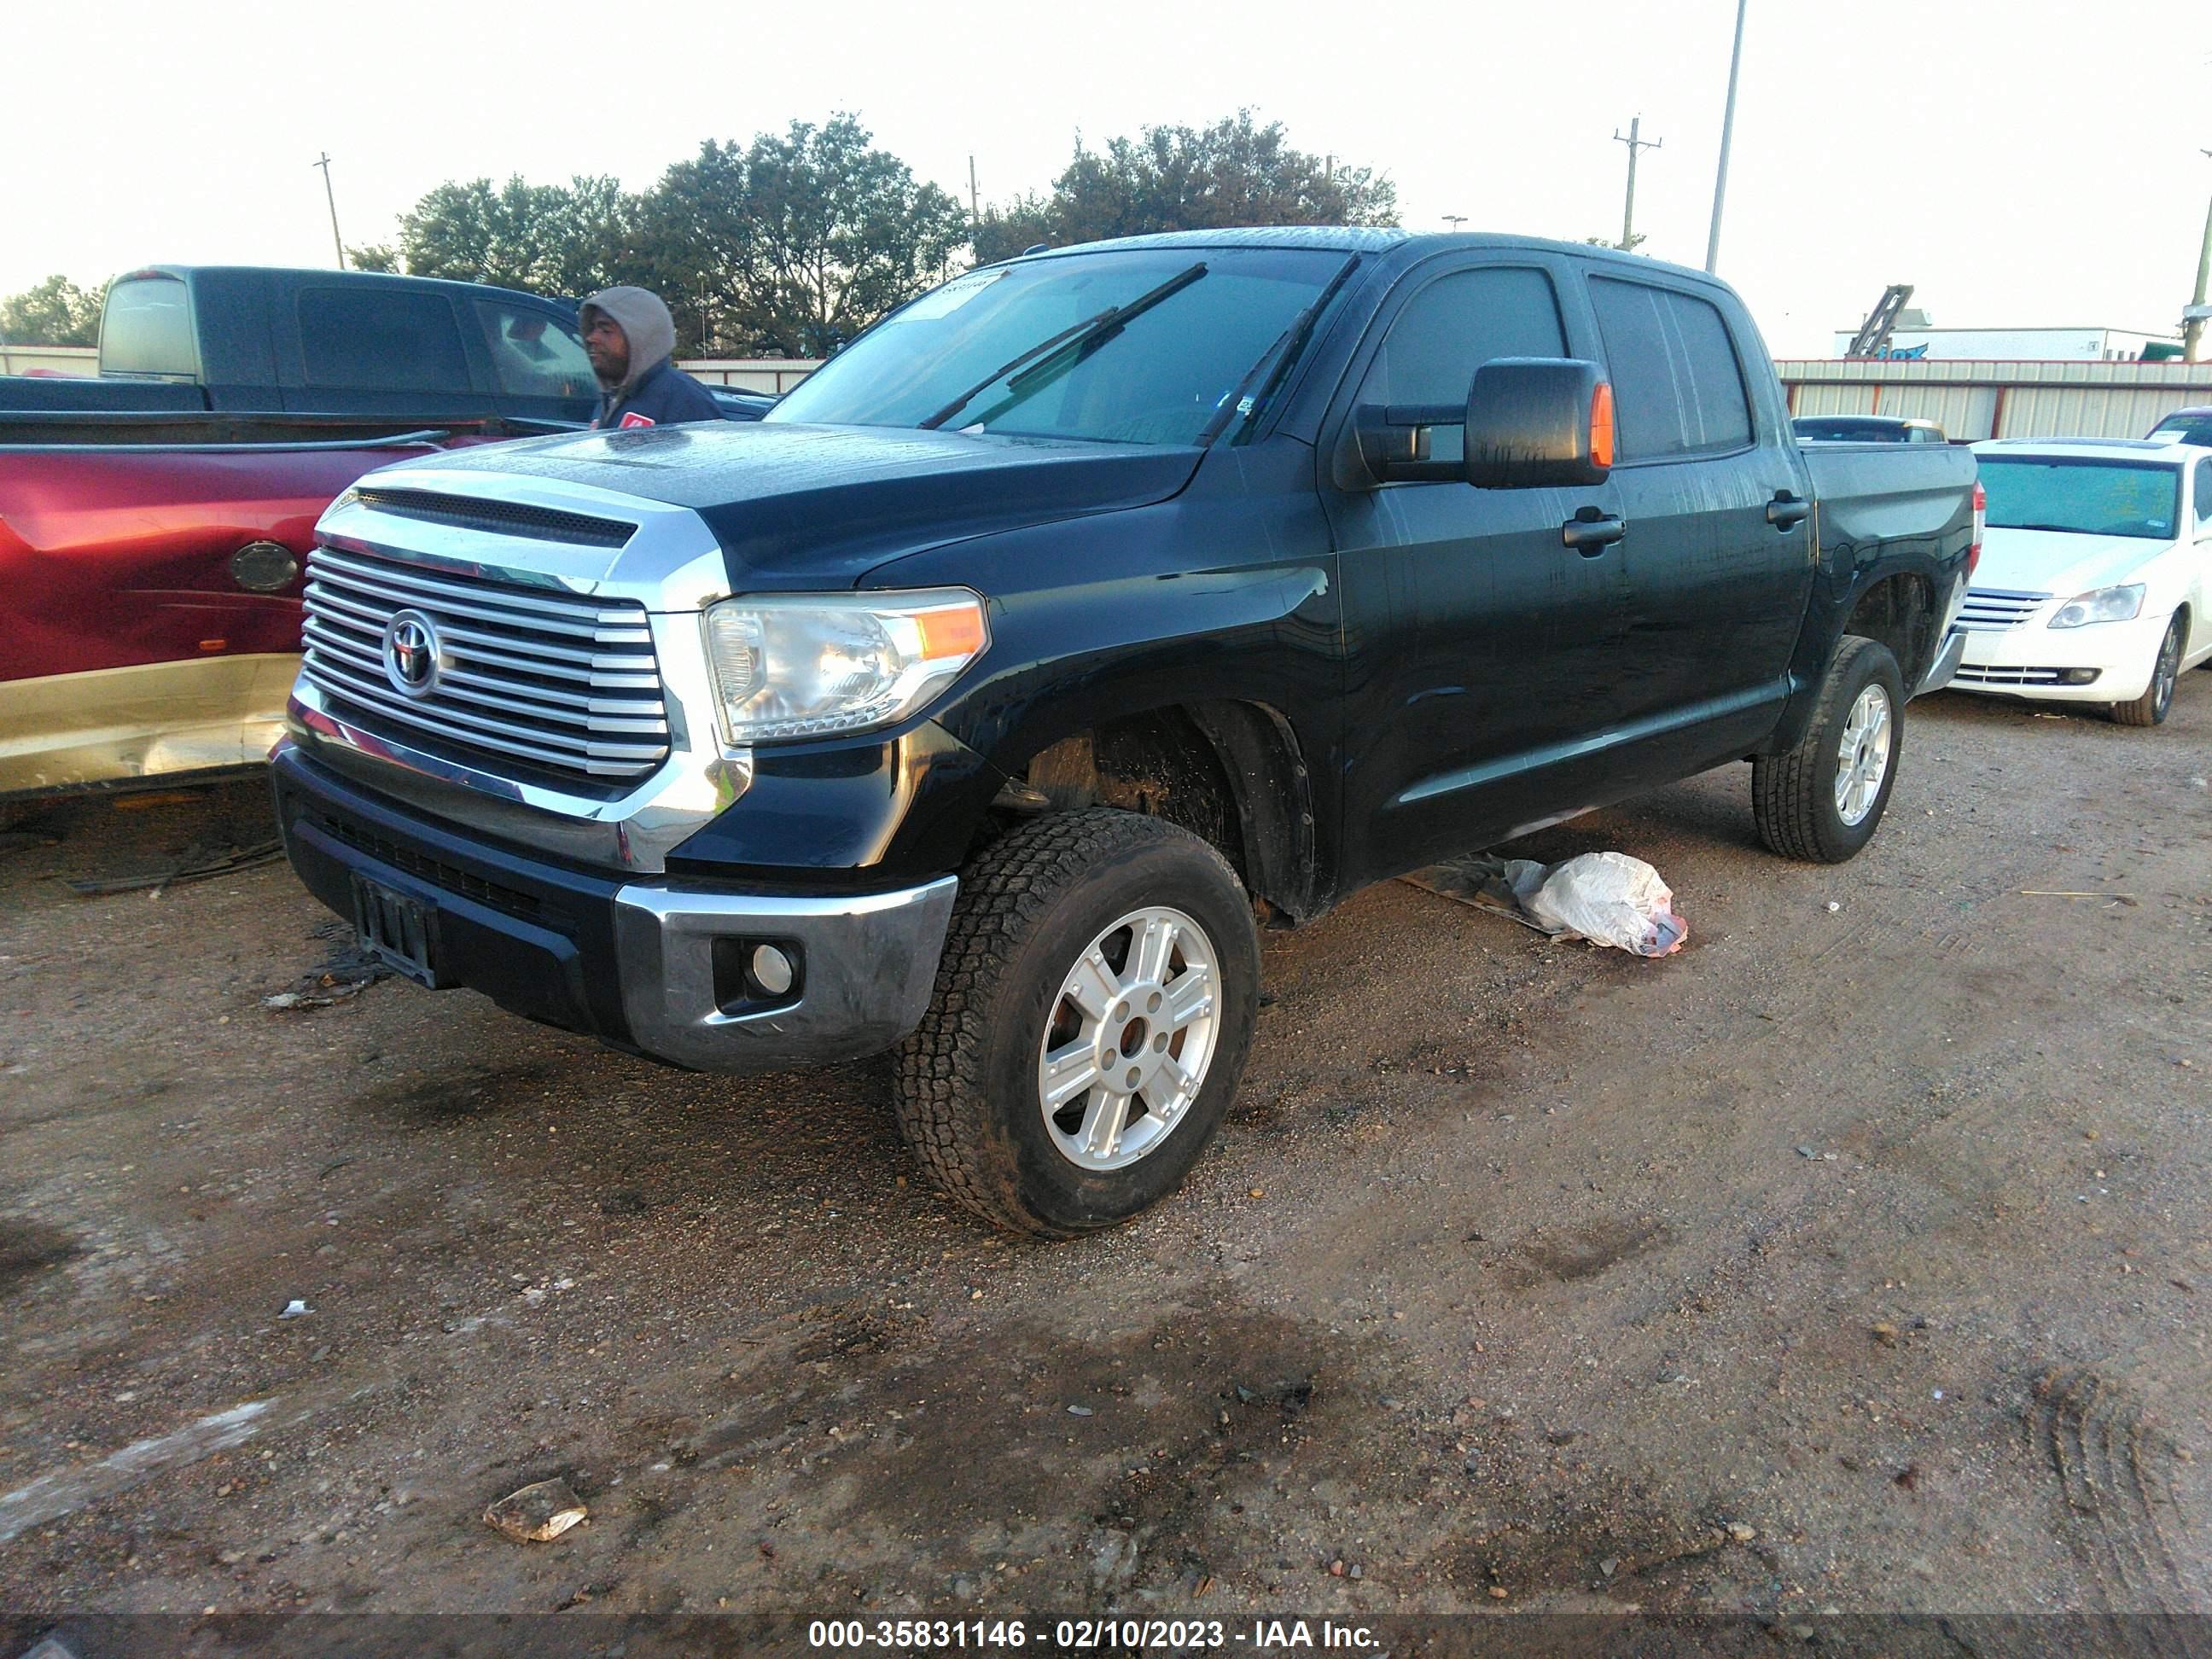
(1858, 1257)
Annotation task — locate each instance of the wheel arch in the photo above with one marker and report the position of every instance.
(1900, 611)
(1232, 771)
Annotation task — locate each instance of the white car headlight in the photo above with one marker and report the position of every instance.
(808, 665)
(2104, 605)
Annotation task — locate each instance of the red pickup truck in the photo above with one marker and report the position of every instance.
(154, 521)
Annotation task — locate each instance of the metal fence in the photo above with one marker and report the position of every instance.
(773, 376)
(1997, 398)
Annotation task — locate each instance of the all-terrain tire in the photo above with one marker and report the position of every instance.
(1794, 794)
(2151, 707)
(968, 1096)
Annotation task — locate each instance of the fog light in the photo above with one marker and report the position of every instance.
(772, 970)
(2081, 676)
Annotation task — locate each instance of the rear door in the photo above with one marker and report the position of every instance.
(1718, 557)
(373, 349)
(1479, 643)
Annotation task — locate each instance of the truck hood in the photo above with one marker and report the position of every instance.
(2060, 562)
(806, 505)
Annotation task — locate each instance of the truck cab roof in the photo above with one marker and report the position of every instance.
(392, 280)
(1374, 240)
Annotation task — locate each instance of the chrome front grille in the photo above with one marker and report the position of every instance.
(1993, 610)
(565, 684)
(2010, 675)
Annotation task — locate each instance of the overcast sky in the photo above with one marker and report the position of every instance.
(2022, 161)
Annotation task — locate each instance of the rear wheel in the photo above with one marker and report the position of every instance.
(1822, 800)
(1093, 1009)
(2151, 707)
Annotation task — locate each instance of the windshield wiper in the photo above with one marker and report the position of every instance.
(1281, 355)
(1065, 350)
(1007, 368)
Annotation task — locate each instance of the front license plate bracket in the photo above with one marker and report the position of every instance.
(399, 931)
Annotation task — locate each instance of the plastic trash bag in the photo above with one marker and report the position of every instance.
(1607, 898)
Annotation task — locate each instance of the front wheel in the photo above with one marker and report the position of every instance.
(1092, 1012)
(1822, 800)
(2151, 707)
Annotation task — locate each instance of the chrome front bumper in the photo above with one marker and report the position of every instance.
(867, 964)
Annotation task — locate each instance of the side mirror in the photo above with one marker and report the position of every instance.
(1539, 423)
(1530, 423)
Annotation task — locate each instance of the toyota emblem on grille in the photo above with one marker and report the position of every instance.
(411, 653)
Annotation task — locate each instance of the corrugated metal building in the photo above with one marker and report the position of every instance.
(2001, 398)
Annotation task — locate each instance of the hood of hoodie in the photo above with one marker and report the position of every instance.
(647, 326)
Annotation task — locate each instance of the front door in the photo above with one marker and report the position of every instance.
(1479, 643)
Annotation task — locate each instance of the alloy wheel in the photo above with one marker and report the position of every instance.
(1129, 1039)
(1863, 755)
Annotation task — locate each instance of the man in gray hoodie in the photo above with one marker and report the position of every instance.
(629, 336)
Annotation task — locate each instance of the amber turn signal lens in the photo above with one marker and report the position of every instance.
(1601, 425)
(956, 630)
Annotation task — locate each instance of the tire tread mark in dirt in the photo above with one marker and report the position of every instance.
(2089, 1426)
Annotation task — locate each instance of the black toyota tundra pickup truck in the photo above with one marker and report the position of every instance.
(1081, 617)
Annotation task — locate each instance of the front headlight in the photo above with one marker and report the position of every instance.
(2106, 604)
(811, 664)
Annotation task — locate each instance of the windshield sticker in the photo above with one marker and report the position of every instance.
(943, 302)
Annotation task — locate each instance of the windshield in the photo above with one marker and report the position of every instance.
(1864, 432)
(1011, 350)
(2191, 427)
(2088, 497)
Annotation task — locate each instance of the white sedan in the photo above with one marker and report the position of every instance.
(2095, 580)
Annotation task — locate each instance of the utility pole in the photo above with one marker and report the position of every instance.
(2192, 332)
(1634, 143)
(1727, 131)
(1455, 220)
(324, 162)
(974, 202)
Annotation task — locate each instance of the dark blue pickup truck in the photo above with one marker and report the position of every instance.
(185, 341)
(1083, 617)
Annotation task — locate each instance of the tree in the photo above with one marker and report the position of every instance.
(794, 243)
(377, 256)
(55, 312)
(1177, 177)
(546, 238)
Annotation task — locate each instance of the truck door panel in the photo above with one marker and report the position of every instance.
(376, 351)
(1479, 645)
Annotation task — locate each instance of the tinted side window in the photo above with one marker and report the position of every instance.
(146, 328)
(2205, 492)
(535, 354)
(1456, 324)
(380, 341)
(1676, 386)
